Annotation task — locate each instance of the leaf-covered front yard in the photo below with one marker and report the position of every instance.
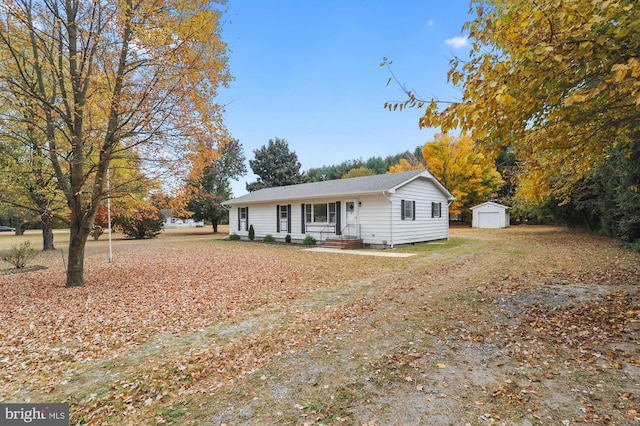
(528, 325)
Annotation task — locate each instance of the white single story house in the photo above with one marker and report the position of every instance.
(171, 222)
(381, 210)
(490, 215)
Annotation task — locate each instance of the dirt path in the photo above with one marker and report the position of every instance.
(453, 340)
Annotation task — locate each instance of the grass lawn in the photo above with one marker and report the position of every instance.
(525, 325)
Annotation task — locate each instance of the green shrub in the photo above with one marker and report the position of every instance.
(140, 224)
(288, 238)
(234, 237)
(309, 241)
(252, 233)
(20, 256)
(268, 238)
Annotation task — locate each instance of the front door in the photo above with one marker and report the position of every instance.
(351, 219)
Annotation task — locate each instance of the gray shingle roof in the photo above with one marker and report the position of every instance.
(352, 186)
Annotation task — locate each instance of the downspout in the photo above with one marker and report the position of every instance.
(449, 205)
(390, 218)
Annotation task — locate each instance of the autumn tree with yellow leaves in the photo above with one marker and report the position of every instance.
(109, 77)
(469, 175)
(29, 187)
(557, 81)
(358, 172)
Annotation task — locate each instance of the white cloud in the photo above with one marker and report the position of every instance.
(457, 42)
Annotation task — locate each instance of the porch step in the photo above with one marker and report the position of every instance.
(344, 244)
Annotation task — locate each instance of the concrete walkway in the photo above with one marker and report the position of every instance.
(360, 252)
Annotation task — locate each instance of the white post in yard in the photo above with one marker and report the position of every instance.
(109, 216)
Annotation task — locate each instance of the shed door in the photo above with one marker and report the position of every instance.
(488, 220)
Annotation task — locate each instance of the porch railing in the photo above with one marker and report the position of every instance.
(322, 230)
(351, 231)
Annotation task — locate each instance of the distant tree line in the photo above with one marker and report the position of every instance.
(377, 165)
(276, 164)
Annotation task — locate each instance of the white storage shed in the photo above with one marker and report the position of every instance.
(490, 215)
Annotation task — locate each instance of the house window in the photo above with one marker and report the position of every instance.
(320, 213)
(283, 217)
(308, 213)
(436, 209)
(407, 210)
(243, 216)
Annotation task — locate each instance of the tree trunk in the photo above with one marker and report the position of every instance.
(214, 224)
(78, 238)
(47, 233)
(19, 230)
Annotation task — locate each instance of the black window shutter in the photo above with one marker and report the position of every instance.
(239, 218)
(338, 223)
(277, 218)
(246, 225)
(402, 209)
(303, 218)
(288, 217)
(433, 209)
(413, 207)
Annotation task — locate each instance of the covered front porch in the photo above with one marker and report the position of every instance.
(329, 236)
(333, 223)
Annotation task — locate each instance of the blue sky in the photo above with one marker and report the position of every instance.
(308, 72)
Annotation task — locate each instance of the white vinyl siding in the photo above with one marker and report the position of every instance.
(424, 227)
(378, 216)
(265, 218)
(374, 220)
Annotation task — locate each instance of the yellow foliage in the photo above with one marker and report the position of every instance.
(557, 81)
(114, 80)
(405, 165)
(470, 175)
(358, 172)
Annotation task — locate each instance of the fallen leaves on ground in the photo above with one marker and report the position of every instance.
(50, 331)
(222, 326)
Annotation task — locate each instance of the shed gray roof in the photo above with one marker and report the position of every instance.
(338, 187)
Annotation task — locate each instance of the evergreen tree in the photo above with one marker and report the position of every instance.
(275, 165)
(606, 200)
